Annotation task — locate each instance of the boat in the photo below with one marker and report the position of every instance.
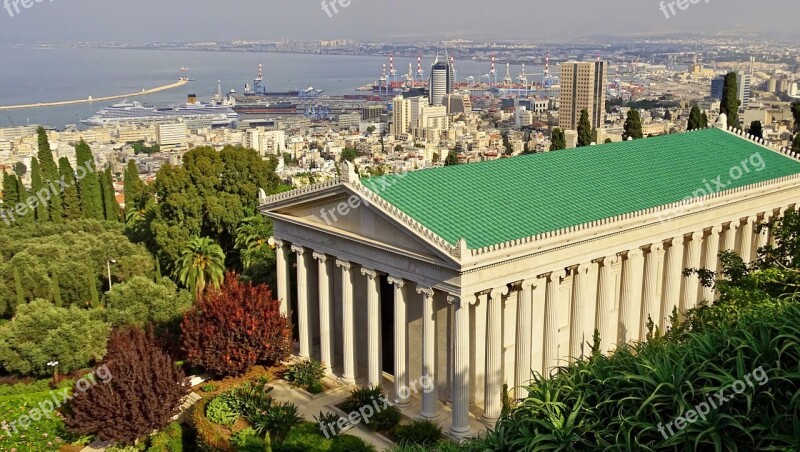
(220, 114)
(265, 107)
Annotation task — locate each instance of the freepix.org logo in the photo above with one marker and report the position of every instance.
(15, 7)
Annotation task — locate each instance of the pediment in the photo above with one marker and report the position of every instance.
(344, 212)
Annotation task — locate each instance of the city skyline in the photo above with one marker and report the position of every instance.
(202, 20)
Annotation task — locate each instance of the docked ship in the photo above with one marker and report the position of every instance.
(219, 112)
(265, 108)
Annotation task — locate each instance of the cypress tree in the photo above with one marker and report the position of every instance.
(69, 197)
(633, 126)
(49, 175)
(558, 140)
(134, 188)
(584, 130)
(37, 187)
(23, 198)
(18, 288)
(56, 291)
(756, 129)
(10, 191)
(695, 119)
(110, 206)
(796, 143)
(94, 297)
(89, 183)
(730, 99)
(704, 120)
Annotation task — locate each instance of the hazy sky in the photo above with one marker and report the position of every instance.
(212, 20)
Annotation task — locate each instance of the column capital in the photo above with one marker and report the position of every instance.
(697, 236)
(678, 240)
(609, 260)
(369, 273)
(460, 302)
(398, 282)
(498, 292)
(298, 249)
(321, 257)
(585, 268)
(344, 265)
(556, 275)
(277, 243)
(635, 253)
(716, 230)
(427, 292)
(735, 224)
(657, 247)
(782, 211)
(751, 220)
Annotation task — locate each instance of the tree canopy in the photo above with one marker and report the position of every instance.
(730, 99)
(584, 130)
(633, 126)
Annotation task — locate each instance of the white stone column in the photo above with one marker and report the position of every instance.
(712, 259)
(763, 236)
(577, 321)
(672, 281)
(401, 389)
(730, 236)
(692, 282)
(550, 360)
(282, 257)
(606, 326)
(460, 423)
(479, 348)
(748, 236)
(429, 403)
(348, 324)
(631, 306)
(538, 295)
(304, 329)
(522, 364)
(651, 303)
(492, 399)
(373, 327)
(781, 215)
(325, 336)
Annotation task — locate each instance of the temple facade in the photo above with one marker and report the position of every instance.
(479, 275)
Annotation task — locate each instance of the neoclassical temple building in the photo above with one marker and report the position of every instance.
(478, 275)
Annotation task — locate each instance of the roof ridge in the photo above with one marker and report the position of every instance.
(302, 190)
(784, 150)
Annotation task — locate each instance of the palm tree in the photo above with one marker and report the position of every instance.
(251, 237)
(201, 263)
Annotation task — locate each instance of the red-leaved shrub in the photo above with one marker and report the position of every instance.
(234, 327)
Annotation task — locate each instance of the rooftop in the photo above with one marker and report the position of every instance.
(492, 202)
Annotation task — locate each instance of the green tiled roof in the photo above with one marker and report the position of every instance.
(492, 202)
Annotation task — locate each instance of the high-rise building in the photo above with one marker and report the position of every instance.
(441, 82)
(583, 86)
(371, 113)
(457, 103)
(717, 85)
(743, 92)
(401, 109)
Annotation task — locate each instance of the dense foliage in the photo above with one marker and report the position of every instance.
(559, 140)
(730, 102)
(141, 302)
(633, 125)
(72, 256)
(41, 333)
(47, 434)
(584, 130)
(234, 327)
(626, 401)
(144, 393)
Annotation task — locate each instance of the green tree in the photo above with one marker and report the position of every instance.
(667, 115)
(756, 129)
(20, 169)
(435, 157)
(796, 115)
(139, 302)
(796, 143)
(41, 332)
(704, 120)
(633, 125)
(18, 289)
(91, 281)
(69, 196)
(89, 185)
(202, 263)
(10, 191)
(558, 139)
(110, 206)
(56, 291)
(349, 154)
(584, 130)
(730, 99)
(695, 119)
(608, 140)
(134, 188)
(49, 176)
(38, 189)
(451, 159)
(23, 198)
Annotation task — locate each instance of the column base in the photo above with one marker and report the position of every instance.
(459, 433)
(349, 381)
(429, 417)
(401, 403)
(489, 421)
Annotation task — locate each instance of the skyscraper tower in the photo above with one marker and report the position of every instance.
(441, 81)
(583, 87)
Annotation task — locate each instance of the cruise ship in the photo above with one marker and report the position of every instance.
(219, 113)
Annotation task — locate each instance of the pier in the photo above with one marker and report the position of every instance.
(177, 84)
